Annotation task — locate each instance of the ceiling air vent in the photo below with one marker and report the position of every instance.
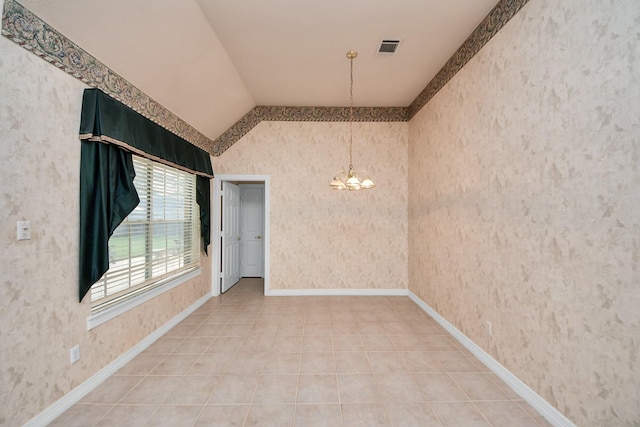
(388, 47)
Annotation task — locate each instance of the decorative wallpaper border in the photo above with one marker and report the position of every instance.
(489, 27)
(305, 114)
(35, 35)
(27, 30)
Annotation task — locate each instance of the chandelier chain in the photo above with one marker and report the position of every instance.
(351, 114)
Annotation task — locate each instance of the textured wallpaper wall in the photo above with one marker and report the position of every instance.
(317, 232)
(525, 204)
(40, 318)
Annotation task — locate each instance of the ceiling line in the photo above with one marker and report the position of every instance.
(27, 30)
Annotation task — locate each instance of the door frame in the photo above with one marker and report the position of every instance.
(216, 251)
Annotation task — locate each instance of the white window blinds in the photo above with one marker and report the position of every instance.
(158, 241)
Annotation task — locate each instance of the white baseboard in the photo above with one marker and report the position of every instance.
(75, 395)
(336, 292)
(544, 408)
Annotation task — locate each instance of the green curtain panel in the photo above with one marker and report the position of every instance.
(110, 132)
(107, 196)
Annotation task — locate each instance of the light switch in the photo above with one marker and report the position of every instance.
(24, 230)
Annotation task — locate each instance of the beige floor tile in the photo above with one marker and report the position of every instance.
(317, 317)
(287, 344)
(112, 390)
(81, 415)
(194, 345)
(479, 386)
(412, 415)
(317, 343)
(223, 416)
(439, 343)
(290, 328)
(365, 415)
(258, 360)
(318, 329)
(127, 415)
(282, 363)
(317, 388)
(359, 388)
(175, 415)
(192, 390)
(276, 389)
(352, 362)
(236, 330)
(341, 316)
(211, 364)
(314, 415)
(181, 330)
(506, 414)
(270, 416)
(439, 387)
(318, 363)
(207, 330)
(461, 365)
(256, 344)
(234, 389)
(459, 414)
(152, 389)
(384, 362)
(247, 363)
(410, 342)
(371, 328)
(264, 327)
(175, 364)
(377, 343)
(346, 327)
(195, 318)
(347, 342)
(398, 328)
(399, 388)
(225, 345)
(142, 364)
(164, 346)
(421, 362)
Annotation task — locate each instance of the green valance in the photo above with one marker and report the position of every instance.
(109, 121)
(110, 132)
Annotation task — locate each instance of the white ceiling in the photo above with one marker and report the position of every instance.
(211, 61)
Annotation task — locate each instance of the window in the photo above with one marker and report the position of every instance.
(158, 241)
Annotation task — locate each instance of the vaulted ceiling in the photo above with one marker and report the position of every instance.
(211, 61)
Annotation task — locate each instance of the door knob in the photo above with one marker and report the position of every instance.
(258, 237)
(238, 238)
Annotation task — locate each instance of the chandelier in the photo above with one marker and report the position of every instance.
(351, 179)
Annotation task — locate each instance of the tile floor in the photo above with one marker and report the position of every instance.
(247, 360)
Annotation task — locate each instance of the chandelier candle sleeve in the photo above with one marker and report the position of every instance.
(351, 179)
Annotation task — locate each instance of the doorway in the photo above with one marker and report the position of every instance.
(241, 231)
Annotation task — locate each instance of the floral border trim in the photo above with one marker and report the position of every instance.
(489, 27)
(305, 114)
(27, 30)
(35, 35)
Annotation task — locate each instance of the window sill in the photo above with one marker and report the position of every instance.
(100, 317)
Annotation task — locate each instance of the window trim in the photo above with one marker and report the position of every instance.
(98, 318)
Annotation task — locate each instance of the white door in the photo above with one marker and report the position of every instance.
(252, 243)
(230, 235)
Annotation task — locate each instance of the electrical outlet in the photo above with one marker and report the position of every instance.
(24, 230)
(74, 354)
(489, 328)
(338, 277)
